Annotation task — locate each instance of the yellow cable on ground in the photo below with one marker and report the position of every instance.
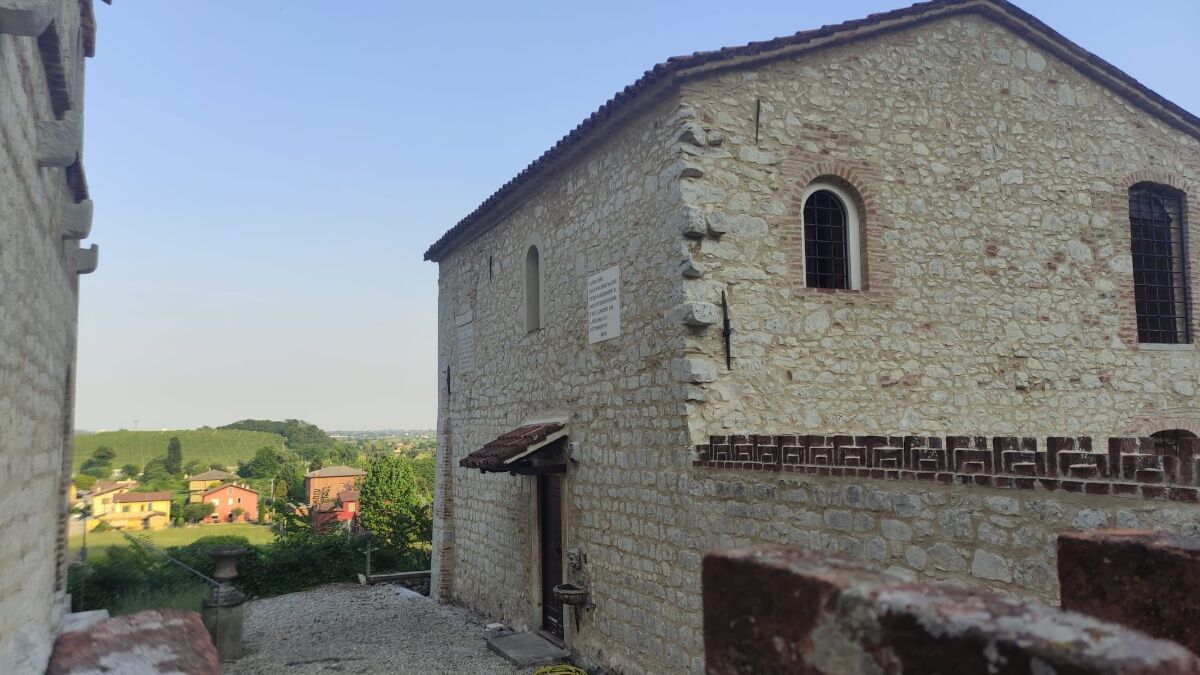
(560, 669)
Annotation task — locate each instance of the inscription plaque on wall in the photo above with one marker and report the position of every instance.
(466, 341)
(604, 305)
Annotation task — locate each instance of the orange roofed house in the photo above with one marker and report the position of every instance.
(323, 485)
(232, 503)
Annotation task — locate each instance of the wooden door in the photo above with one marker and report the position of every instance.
(550, 528)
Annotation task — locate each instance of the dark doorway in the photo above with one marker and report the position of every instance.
(550, 527)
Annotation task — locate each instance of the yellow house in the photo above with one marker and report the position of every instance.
(138, 511)
(202, 481)
(100, 498)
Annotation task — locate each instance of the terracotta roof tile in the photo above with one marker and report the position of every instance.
(142, 497)
(493, 455)
(334, 472)
(212, 474)
(348, 496)
(1005, 12)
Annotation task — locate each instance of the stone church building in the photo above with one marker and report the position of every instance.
(917, 288)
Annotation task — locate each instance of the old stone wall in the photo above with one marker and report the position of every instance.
(37, 331)
(991, 180)
(997, 301)
(623, 408)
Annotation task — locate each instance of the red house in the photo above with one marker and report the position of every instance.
(232, 503)
(341, 511)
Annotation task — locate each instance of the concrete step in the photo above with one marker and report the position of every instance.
(526, 650)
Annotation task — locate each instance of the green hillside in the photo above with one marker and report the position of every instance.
(225, 447)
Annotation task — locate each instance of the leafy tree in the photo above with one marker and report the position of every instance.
(131, 470)
(104, 454)
(217, 465)
(316, 464)
(265, 464)
(194, 513)
(301, 436)
(237, 512)
(174, 461)
(390, 504)
(98, 471)
(83, 481)
(193, 467)
(156, 470)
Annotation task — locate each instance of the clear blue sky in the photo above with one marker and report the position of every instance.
(267, 176)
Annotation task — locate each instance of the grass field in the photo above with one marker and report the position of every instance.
(223, 446)
(98, 542)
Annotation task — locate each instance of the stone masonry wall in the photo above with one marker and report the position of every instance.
(37, 343)
(992, 182)
(623, 407)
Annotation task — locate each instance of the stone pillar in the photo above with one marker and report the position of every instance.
(225, 606)
(1142, 579)
(790, 610)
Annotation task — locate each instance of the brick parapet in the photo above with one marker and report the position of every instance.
(791, 610)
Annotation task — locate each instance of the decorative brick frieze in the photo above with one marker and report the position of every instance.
(1127, 467)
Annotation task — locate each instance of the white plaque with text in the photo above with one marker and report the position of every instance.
(604, 305)
(466, 341)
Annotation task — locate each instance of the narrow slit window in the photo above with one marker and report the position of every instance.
(533, 289)
(1160, 274)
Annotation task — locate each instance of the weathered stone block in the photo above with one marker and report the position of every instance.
(59, 141)
(789, 610)
(87, 259)
(77, 220)
(696, 314)
(153, 641)
(24, 18)
(1142, 579)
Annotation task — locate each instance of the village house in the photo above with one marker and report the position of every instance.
(886, 288)
(46, 210)
(100, 499)
(322, 485)
(136, 511)
(340, 511)
(200, 482)
(232, 503)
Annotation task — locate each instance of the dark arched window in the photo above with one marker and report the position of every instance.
(830, 238)
(1160, 275)
(1167, 441)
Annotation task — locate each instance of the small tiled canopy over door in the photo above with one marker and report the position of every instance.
(531, 450)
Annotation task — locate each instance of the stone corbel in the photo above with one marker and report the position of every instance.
(24, 18)
(76, 220)
(86, 259)
(59, 141)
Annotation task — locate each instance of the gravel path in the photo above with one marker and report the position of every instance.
(344, 628)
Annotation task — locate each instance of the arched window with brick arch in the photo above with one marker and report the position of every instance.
(1167, 441)
(832, 237)
(1157, 231)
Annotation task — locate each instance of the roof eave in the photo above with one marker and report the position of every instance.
(665, 76)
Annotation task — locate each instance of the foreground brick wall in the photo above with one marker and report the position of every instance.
(1138, 578)
(785, 610)
(39, 80)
